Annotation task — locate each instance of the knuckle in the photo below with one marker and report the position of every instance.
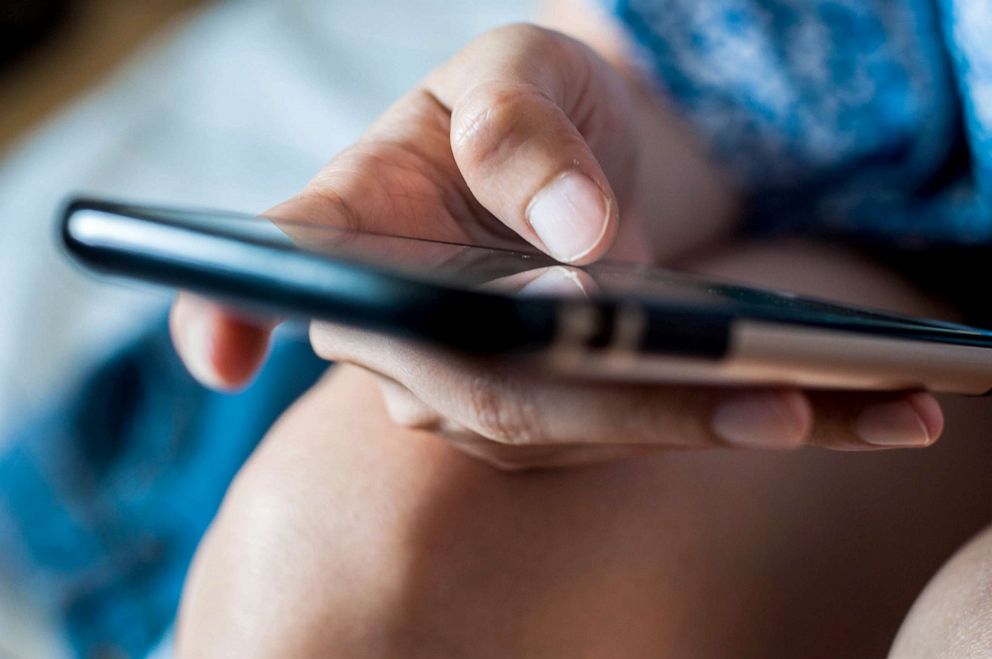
(675, 419)
(534, 48)
(407, 411)
(487, 121)
(499, 412)
(521, 37)
(322, 190)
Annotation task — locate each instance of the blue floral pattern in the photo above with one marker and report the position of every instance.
(864, 116)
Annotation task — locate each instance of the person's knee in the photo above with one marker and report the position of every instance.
(953, 615)
(305, 556)
(359, 539)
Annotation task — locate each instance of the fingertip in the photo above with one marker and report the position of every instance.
(797, 410)
(192, 337)
(238, 351)
(930, 413)
(913, 420)
(220, 350)
(776, 419)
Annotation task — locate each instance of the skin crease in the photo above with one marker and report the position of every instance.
(417, 550)
(348, 536)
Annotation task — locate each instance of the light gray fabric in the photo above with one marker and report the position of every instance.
(235, 108)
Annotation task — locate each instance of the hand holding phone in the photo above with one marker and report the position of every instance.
(525, 361)
(523, 138)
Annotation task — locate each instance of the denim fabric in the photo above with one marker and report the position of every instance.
(860, 117)
(105, 495)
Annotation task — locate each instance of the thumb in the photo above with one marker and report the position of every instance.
(535, 116)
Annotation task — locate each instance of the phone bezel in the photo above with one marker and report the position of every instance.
(157, 244)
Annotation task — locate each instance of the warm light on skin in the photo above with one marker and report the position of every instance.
(463, 553)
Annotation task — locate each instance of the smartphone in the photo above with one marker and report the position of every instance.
(613, 321)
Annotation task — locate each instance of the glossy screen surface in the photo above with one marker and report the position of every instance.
(531, 273)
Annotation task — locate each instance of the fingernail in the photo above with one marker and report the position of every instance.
(556, 280)
(570, 216)
(894, 423)
(762, 420)
(198, 348)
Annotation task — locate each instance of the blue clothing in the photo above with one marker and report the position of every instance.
(106, 494)
(862, 117)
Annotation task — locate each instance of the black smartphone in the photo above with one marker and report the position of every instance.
(608, 320)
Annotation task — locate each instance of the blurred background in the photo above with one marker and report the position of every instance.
(224, 104)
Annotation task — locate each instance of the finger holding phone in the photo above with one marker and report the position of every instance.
(529, 137)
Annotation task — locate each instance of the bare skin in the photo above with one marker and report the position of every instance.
(349, 536)
(952, 619)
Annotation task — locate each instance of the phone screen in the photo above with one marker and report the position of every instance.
(663, 292)
(532, 273)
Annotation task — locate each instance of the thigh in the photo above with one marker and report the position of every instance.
(345, 535)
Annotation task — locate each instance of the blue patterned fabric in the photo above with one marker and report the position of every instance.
(866, 117)
(105, 494)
